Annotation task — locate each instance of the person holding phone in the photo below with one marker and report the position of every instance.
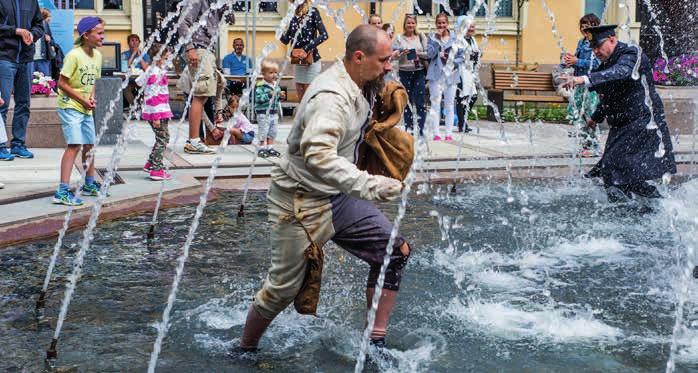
(443, 68)
(412, 51)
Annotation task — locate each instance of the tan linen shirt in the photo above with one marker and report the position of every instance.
(324, 140)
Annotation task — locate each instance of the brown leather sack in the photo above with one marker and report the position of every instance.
(387, 150)
(296, 58)
(308, 297)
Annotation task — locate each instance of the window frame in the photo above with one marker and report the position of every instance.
(116, 19)
(506, 25)
(266, 21)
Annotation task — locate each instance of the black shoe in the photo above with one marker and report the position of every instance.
(594, 172)
(379, 357)
(273, 152)
(645, 190)
(378, 343)
(247, 356)
(695, 272)
(468, 129)
(616, 195)
(263, 153)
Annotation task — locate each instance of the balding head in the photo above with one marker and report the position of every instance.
(364, 38)
(367, 58)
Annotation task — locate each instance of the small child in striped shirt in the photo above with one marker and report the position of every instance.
(156, 110)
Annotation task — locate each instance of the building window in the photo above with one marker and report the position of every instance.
(505, 9)
(425, 6)
(264, 6)
(595, 6)
(481, 11)
(93, 4)
(84, 4)
(114, 4)
(461, 7)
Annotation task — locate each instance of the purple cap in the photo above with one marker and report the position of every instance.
(88, 23)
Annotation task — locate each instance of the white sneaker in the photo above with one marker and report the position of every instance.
(196, 147)
(2, 185)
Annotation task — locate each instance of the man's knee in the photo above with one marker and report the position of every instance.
(405, 249)
(393, 274)
(270, 302)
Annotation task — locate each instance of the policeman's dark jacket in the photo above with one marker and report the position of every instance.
(629, 156)
(12, 48)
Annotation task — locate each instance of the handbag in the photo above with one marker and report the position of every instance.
(296, 58)
(50, 50)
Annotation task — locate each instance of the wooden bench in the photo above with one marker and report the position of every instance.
(516, 83)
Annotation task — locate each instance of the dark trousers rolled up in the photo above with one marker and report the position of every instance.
(463, 105)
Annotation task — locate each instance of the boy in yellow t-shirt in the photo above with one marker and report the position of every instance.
(76, 100)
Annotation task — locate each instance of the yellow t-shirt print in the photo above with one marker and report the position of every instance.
(82, 72)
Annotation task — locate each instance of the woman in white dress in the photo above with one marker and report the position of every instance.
(468, 70)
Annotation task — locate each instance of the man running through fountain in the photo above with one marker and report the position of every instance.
(317, 192)
(634, 153)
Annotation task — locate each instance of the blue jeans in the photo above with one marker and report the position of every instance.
(16, 77)
(43, 66)
(414, 82)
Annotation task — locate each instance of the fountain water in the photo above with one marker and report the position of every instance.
(162, 328)
(88, 235)
(416, 165)
(40, 303)
(164, 324)
(371, 317)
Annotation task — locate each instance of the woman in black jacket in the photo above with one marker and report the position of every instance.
(304, 54)
(43, 48)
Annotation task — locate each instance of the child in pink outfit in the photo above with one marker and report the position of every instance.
(156, 110)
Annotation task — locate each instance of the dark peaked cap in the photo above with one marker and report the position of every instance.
(597, 34)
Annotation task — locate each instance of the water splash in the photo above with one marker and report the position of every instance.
(371, 317)
(652, 124)
(636, 68)
(163, 325)
(88, 233)
(625, 26)
(684, 223)
(90, 157)
(658, 30)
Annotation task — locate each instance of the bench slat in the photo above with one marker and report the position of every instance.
(533, 98)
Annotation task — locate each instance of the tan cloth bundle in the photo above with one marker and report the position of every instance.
(387, 150)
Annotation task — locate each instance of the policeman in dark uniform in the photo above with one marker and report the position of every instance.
(634, 151)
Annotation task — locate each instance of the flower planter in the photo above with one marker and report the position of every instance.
(44, 128)
(680, 106)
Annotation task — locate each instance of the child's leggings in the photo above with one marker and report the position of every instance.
(162, 137)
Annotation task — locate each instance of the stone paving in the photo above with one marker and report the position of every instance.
(29, 184)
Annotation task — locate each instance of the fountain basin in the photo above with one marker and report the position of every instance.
(546, 276)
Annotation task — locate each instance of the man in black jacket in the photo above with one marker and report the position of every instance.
(22, 26)
(638, 147)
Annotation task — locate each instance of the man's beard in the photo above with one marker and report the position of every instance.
(373, 88)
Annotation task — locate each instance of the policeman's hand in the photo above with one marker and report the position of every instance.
(572, 81)
(389, 189)
(26, 36)
(2, 102)
(591, 124)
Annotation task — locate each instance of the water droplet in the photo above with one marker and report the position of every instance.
(666, 178)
